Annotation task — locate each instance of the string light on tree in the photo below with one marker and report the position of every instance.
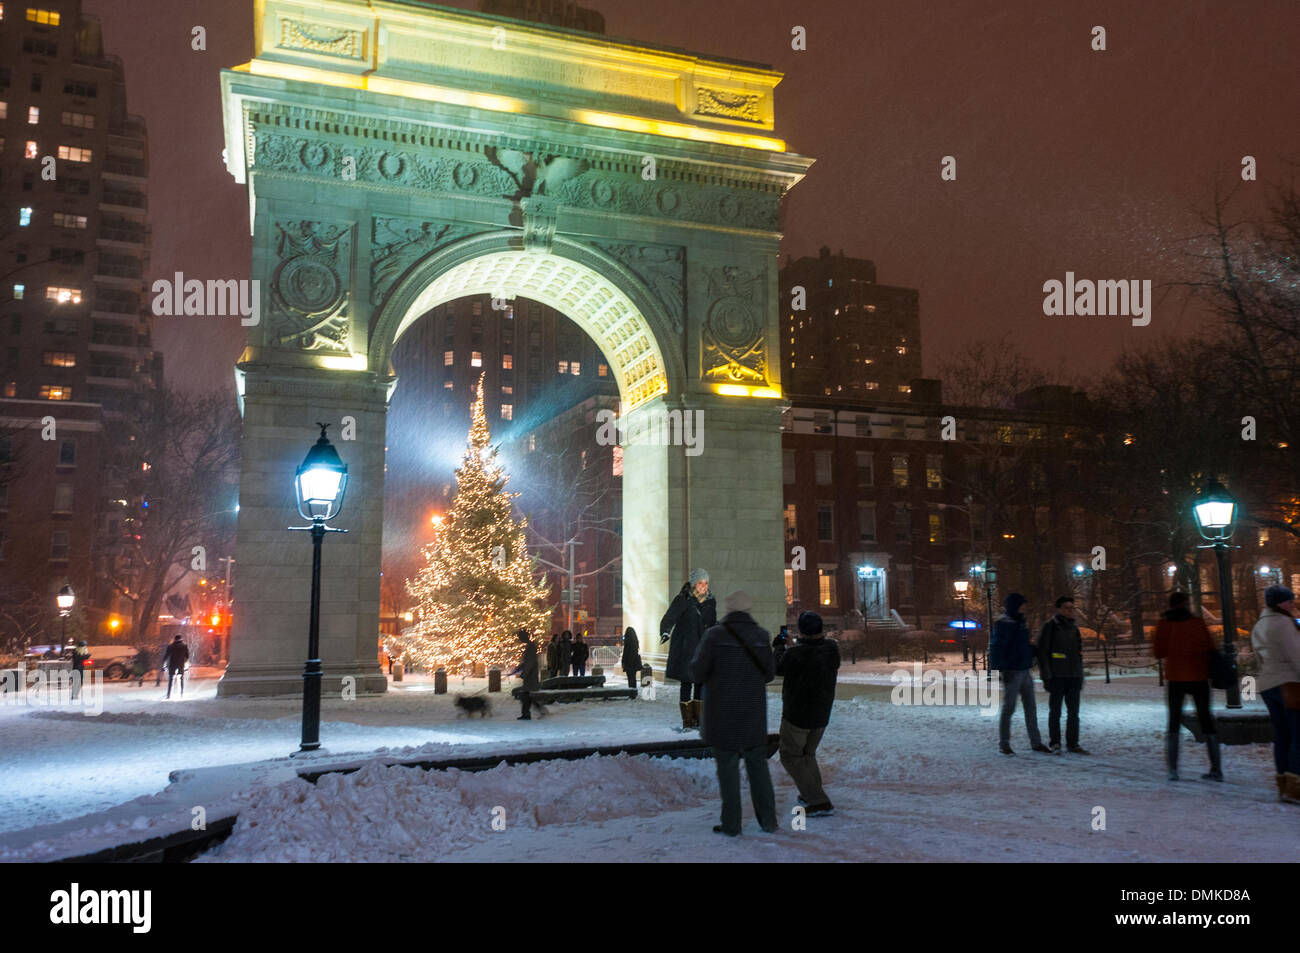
(478, 585)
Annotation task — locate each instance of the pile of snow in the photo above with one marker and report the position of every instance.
(383, 813)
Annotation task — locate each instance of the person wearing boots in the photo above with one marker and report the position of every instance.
(1011, 652)
(1276, 640)
(1184, 642)
(693, 611)
(1060, 660)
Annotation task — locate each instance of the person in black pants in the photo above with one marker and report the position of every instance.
(1060, 660)
(1183, 640)
(175, 659)
(631, 657)
(580, 652)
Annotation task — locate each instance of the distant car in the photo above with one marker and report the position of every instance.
(115, 661)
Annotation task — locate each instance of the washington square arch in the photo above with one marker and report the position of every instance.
(401, 155)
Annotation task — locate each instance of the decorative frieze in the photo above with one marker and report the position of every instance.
(662, 268)
(398, 243)
(310, 288)
(733, 347)
(728, 104)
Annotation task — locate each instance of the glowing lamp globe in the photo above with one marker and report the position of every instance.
(321, 480)
(1216, 513)
(960, 585)
(65, 598)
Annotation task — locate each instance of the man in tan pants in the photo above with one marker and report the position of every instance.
(807, 693)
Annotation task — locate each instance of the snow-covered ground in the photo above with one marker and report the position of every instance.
(910, 783)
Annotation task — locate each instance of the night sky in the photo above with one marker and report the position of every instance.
(1067, 159)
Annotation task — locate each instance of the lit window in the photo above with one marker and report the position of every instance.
(11, 388)
(55, 392)
(507, 362)
(75, 154)
(31, 152)
(63, 295)
(33, 115)
(791, 524)
(899, 467)
(43, 17)
(532, 442)
(60, 359)
(24, 216)
(789, 587)
(507, 411)
(873, 385)
(476, 359)
(933, 471)
(18, 292)
(4, 106)
(936, 528)
(826, 587)
(446, 385)
(65, 220)
(574, 368)
(507, 389)
(602, 370)
(79, 120)
(900, 349)
(478, 307)
(448, 358)
(904, 389)
(563, 367)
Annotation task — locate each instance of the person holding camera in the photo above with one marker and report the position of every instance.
(807, 694)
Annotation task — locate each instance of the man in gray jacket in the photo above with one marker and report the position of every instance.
(1060, 660)
(734, 664)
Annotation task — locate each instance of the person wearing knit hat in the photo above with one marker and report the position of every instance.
(692, 612)
(734, 664)
(1011, 652)
(1276, 641)
(808, 671)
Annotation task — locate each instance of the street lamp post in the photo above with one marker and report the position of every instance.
(320, 483)
(961, 585)
(990, 587)
(65, 599)
(1216, 516)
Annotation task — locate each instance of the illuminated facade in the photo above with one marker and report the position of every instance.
(399, 157)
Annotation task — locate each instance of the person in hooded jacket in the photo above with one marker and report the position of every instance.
(808, 670)
(1011, 652)
(734, 664)
(1184, 642)
(565, 653)
(553, 656)
(692, 612)
(1276, 641)
(631, 657)
(175, 660)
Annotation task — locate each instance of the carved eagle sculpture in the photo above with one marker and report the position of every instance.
(533, 175)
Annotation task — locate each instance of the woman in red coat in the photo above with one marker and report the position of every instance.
(1183, 640)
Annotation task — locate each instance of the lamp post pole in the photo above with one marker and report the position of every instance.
(1232, 698)
(321, 482)
(990, 587)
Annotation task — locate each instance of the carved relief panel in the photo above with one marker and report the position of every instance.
(311, 286)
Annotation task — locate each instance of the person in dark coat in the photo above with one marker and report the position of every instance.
(1183, 640)
(79, 656)
(527, 671)
(631, 657)
(553, 656)
(808, 670)
(692, 613)
(175, 659)
(1060, 661)
(143, 662)
(1011, 652)
(581, 650)
(734, 664)
(565, 653)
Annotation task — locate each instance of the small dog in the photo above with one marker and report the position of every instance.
(469, 704)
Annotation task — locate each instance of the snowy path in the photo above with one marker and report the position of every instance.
(909, 783)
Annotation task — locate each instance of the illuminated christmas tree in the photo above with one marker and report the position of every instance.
(477, 587)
